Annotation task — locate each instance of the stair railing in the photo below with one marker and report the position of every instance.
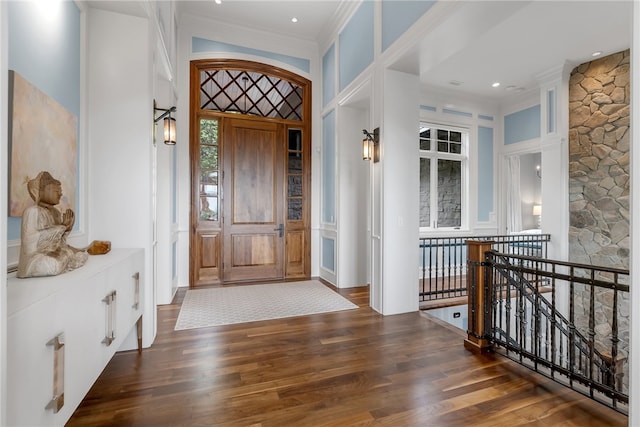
(557, 318)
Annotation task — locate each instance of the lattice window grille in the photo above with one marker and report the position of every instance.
(250, 93)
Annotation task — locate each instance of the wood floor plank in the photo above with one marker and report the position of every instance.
(350, 368)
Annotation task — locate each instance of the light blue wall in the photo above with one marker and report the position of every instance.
(551, 111)
(44, 47)
(329, 167)
(485, 173)
(329, 254)
(522, 125)
(199, 45)
(457, 113)
(356, 44)
(398, 16)
(329, 75)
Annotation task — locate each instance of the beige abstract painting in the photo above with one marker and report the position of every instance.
(43, 136)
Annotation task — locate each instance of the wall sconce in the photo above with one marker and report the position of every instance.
(169, 124)
(371, 145)
(538, 172)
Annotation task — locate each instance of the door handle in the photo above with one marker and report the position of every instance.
(280, 230)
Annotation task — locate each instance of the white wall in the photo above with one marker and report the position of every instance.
(165, 232)
(400, 189)
(4, 177)
(120, 117)
(353, 198)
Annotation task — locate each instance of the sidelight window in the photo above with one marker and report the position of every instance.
(209, 170)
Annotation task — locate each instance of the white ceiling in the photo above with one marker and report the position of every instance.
(480, 42)
(273, 16)
(522, 41)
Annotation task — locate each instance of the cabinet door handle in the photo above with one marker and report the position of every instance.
(110, 326)
(136, 292)
(57, 401)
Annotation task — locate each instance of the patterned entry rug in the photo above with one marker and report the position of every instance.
(250, 303)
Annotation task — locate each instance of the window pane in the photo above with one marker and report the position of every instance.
(425, 139)
(208, 191)
(443, 135)
(208, 208)
(455, 136)
(248, 92)
(208, 158)
(425, 196)
(295, 140)
(449, 193)
(294, 209)
(443, 147)
(295, 162)
(295, 186)
(455, 148)
(295, 178)
(208, 131)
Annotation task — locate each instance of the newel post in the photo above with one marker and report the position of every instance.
(479, 297)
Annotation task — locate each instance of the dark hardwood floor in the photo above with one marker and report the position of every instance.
(346, 368)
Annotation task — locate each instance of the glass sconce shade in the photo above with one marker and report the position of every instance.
(366, 149)
(169, 130)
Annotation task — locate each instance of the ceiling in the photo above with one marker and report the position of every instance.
(272, 16)
(479, 43)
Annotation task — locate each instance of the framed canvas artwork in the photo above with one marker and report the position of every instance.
(42, 137)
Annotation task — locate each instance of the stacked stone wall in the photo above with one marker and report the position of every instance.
(449, 194)
(599, 137)
(599, 162)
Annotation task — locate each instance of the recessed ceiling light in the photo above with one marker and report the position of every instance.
(496, 84)
(455, 83)
(294, 19)
(218, 1)
(596, 53)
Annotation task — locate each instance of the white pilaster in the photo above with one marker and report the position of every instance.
(400, 188)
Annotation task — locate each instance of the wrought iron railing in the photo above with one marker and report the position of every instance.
(566, 321)
(443, 261)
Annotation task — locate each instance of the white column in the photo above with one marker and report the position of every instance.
(4, 153)
(400, 188)
(120, 119)
(554, 143)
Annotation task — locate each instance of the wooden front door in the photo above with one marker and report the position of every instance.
(250, 158)
(253, 200)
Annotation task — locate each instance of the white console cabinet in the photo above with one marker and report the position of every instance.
(75, 321)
